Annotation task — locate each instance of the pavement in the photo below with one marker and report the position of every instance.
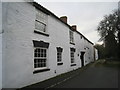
(94, 75)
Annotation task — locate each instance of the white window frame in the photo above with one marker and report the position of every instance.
(72, 57)
(71, 33)
(39, 68)
(41, 18)
(44, 30)
(59, 57)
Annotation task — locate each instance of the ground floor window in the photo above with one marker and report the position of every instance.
(72, 55)
(40, 57)
(59, 55)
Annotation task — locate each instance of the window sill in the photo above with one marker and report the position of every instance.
(41, 70)
(72, 43)
(42, 33)
(61, 63)
(73, 64)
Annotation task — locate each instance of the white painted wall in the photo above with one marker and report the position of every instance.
(18, 46)
(17, 60)
(79, 45)
(0, 45)
(18, 50)
(89, 52)
(59, 34)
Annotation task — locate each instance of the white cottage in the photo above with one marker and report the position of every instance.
(1, 46)
(38, 45)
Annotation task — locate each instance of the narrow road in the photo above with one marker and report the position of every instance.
(93, 77)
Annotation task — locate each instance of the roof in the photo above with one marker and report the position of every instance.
(43, 9)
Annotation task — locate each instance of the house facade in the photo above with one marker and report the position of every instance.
(0, 46)
(38, 45)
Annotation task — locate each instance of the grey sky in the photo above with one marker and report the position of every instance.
(86, 15)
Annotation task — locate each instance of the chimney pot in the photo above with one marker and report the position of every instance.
(74, 27)
(64, 19)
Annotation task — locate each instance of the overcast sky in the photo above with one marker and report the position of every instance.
(86, 15)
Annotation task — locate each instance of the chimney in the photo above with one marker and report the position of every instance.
(64, 19)
(74, 27)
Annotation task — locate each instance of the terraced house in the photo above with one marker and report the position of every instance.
(38, 45)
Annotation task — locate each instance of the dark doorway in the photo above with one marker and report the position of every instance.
(82, 58)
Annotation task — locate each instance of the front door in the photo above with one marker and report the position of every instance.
(82, 58)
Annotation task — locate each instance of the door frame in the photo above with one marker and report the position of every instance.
(82, 58)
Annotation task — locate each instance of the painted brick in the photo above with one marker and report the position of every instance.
(18, 50)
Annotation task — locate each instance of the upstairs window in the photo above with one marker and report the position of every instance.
(40, 26)
(41, 21)
(71, 37)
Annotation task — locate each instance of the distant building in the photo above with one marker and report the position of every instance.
(37, 45)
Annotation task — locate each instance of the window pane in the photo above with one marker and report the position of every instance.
(59, 59)
(35, 54)
(41, 16)
(44, 55)
(41, 54)
(40, 58)
(39, 26)
(59, 56)
(41, 50)
(35, 50)
(72, 61)
(71, 37)
(34, 65)
(60, 53)
(39, 65)
(38, 50)
(35, 61)
(72, 57)
(38, 55)
(44, 65)
(72, 54)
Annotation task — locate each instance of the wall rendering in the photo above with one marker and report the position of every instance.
(21, 39)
